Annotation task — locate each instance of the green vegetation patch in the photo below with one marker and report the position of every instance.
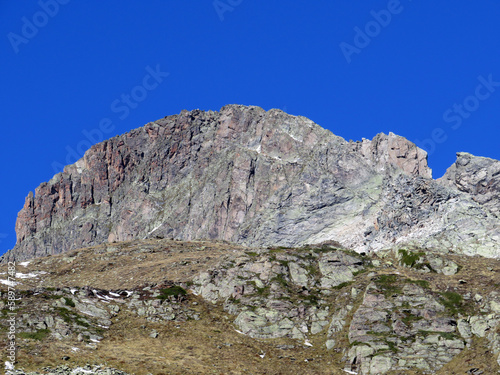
(422, 283)
(280, 279)
(385, 338)
(409, 318)
(312, 270)
(359, 272)
(69, 302)
(311, 299)
(174, 291)
(390, 284)
(343, 285)
(71, 317)
(38, 335)
(264, 291)
(234, 300)
(284, 263)
(410, 258)
(452, 301)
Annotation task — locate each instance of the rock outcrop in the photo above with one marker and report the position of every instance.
(259, 178)
(320, 309)
(477, 176)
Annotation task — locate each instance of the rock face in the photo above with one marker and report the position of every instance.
(392, 322)
(477, 176)
(260, 178)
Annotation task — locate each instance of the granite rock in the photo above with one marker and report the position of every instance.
(260, 179)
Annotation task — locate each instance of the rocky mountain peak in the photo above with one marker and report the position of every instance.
(395, 150)
(260, 178)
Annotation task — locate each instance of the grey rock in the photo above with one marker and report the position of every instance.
(298, 274)
(464, 328)
(154, 334)
(265, 179)
(477, 176)
(380, 364)
(87, 307)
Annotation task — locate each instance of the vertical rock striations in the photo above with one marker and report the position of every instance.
(257, 178)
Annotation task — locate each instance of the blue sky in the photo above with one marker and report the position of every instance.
(76, 72)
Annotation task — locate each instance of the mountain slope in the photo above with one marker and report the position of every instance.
(255, 178)
(313, 310)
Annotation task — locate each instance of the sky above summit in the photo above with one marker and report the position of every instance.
(74, 73)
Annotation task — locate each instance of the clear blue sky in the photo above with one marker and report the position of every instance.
(429, 71)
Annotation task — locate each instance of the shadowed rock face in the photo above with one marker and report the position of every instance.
(256, 178)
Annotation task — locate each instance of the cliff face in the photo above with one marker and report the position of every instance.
(478, 177)
(259, 178)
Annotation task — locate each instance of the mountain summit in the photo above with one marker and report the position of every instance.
(261, 178)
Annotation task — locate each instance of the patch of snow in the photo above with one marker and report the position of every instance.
(114, 294)
(76, 217)
(26, 275)
(73, 291)
(295, 138)
(94, 340)
(7, 282)
(155, 229)
(128, 293)
(351, 372)
(24, 264)
(9, 366)
(81, 369)
(307, 343)
(194, 293)
(241, 333)
(262, 355)
(103, 298)
(75, 349)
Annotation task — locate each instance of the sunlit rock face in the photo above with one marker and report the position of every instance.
(261, 178)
